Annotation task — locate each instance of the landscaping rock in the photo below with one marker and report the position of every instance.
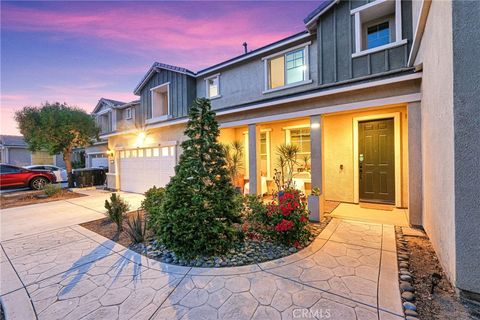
(244, 253)
(405, 272)
(407, 295)
(406, 286)
(411, 313)
(409, 306)
(405, 277)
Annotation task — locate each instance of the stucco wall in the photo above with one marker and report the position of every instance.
(466, 108)
(338, 150)
(437, 133)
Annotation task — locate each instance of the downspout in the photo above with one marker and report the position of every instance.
(422, 21)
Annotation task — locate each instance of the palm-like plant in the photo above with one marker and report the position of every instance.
(234, 159)
(287, 159)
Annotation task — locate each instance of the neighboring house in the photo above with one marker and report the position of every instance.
(14, 150)
(110, 116)
(381, 98)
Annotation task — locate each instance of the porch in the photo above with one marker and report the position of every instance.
(334, 159)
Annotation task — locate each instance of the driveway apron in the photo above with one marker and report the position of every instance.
(348, 272)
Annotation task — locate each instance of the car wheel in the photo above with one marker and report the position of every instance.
(38, 183)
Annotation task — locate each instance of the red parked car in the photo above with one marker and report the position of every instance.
(12, 176)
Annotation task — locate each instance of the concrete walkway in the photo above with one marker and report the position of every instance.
(355, 212)
(31, 219)
(349, 272)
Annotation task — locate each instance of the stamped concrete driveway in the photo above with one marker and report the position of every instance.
(31, 219)
(349, 272)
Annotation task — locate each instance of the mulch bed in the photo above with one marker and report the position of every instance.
(108, 229)
(23, 198)
(245, 253)
(443, 303)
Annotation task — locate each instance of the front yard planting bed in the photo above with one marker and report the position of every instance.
(243, 253)
(417, 263)
(24, 198)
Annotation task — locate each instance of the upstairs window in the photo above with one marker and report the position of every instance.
(128, 113)
(160, 107)
(378, 35)
(378, 26)
(213, 86)
(104, 122)
(287, 68)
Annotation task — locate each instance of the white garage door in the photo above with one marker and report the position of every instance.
(141, 169)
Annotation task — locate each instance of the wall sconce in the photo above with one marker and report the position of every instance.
(315, 125)
(140, 139)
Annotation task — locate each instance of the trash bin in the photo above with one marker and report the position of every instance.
(89, 177)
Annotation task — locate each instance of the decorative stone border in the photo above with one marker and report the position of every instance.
(249, 252)
(405, 277)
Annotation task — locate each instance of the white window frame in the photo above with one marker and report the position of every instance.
(169, 107)
(269, 153)
(207, 91)
(307, 80)
(397, 41)
(128, 113)
(288, 136)
(268, 149)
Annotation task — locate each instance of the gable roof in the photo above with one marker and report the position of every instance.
(11, 141)
(309, 21)
(295, 37)
(109, 102)
(315, 14)
(128, 104)
(156, 67)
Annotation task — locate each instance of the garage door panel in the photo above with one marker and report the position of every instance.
(138, 174)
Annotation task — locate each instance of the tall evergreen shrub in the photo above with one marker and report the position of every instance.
(200, 203)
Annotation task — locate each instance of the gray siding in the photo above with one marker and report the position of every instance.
(19, 156)
(59, 162)
(181, 93)
(336, 43)
(245, 82)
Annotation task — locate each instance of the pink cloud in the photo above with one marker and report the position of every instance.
(153, 30)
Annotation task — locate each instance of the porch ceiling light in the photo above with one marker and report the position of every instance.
(315, 125)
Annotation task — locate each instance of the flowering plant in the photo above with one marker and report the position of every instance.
(284, 219)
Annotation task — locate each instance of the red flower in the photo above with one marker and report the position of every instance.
(284, 225)
(296, 244)
(303, 219)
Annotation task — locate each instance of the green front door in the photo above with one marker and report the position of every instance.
(376, 157)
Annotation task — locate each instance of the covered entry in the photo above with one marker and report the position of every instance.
(142, 168)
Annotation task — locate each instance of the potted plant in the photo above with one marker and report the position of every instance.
(314, 205)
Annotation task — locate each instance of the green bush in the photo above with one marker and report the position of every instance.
(152, 205)
(51, 189)
(200, 205)
(136, 228)
(116, 210)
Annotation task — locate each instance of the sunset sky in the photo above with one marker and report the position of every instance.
(80, 51)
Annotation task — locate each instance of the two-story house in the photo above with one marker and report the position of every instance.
(369, 94)
(110, 116)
